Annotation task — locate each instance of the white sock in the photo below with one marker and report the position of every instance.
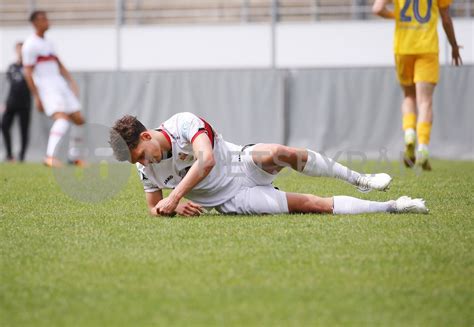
(422, 148)
(75, 142)
(349, 205)
(58, 130)
(321, 166)
(410, 136)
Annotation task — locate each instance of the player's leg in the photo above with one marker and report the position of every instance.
(425, 118)
(409, 123)
(76, 138)
(7, 121)
(58, 130)
(308, 203)
(77, 118)
(54, 107)
(405, 67)
(25, 114)
(340, 205)
(268, 200)
(426, 77)
(271, 158)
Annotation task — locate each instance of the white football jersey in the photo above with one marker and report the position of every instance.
(219, 186)
(39, 52)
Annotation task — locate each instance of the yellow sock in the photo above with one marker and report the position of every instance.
(409, 121)
(423, 132)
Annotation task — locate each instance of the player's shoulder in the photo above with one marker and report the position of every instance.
(183, 124)
(32, 39)
(32, 42)
(183, 116)
(444, 3)
(180, 120)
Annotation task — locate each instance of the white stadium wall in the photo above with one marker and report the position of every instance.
(330, 75)
(325, 44)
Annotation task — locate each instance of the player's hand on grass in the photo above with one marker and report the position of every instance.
(189, 209)
(39, 104)
(457, 60)
(167, 206)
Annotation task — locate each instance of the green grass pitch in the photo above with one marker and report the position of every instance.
(67, 263)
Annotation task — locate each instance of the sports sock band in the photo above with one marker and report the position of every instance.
(423, 132)
(409, 121)
(58, 130)
(321, 166)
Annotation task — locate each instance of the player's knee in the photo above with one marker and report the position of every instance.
(80, 121)
(410, 97)
(280, 155)
(283, 152)
(274, 150)
(425, 101)
(425, 107)
(409, 92)
(61, 115)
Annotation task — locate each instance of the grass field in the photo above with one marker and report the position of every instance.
(67, 263)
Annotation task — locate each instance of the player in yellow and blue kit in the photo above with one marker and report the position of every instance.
(417, 64)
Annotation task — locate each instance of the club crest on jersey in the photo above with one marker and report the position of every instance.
(185, 157)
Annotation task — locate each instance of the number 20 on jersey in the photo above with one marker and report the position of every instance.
(415, 4)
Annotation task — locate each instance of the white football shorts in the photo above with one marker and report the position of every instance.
(257, 194)
(56, 96)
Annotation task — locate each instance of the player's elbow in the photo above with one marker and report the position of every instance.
(207, 163)
(210, 162)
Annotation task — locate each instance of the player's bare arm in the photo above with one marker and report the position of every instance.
(449, 30)
(203, 165)
(68, 77)
(380, 9)
(28, 70)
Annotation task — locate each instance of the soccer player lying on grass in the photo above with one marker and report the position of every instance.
(187, 155)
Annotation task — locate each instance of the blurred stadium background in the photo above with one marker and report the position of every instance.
(313, 73)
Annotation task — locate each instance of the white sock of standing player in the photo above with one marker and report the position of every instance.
(56, 133)
(318, 165)
(76, 140)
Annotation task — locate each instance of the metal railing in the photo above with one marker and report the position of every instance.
(133, 12)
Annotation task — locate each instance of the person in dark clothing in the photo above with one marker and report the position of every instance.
(18, 104)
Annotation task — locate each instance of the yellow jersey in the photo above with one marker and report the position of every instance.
(416, 25)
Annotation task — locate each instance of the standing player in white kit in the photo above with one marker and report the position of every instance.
(54, 90)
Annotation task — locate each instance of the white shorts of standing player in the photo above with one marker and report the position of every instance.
(56, 96)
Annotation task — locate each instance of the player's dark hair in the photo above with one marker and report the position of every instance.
(125, 136)
(35, 15)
